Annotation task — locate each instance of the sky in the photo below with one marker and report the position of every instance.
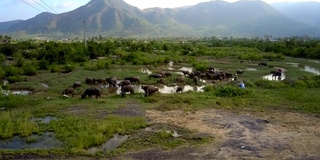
(25, 9)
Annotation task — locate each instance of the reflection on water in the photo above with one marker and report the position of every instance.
(45, 141)
(272, 78)
(47, 119)
(293, 64)
(165, 89)
(111, 144)
(251, 69)
(23, 93)
(186, 69)
(311, 70)
(144, 70)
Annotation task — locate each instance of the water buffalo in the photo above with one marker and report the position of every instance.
(100, 81)
(124, 83)
(262, 64)
(149, 90)
(89, 80)
(69, 91)
(160, 81)
(112, 81)
(239, 71)
(125, 89)
(276, 74)
(180, 79)
(133, 80)
(155, 76)
(179, 89)
(76, 84)
(185, 72)
(91, 92)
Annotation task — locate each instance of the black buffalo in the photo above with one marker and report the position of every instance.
(91, 92)
(263, 64)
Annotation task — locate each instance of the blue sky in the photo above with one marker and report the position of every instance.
(22, 9)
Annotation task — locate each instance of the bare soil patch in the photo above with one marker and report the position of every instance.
(279, 135)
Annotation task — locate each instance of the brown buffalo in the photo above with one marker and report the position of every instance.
(180, 79)
(263, 64)
(125, 89)
(100, 81)
(112, 81)
(149, 90)
(133, 80)
(160, 81)
(91, 92)
(76, 84)
(90, 80)
(124, 83)
(68, 91)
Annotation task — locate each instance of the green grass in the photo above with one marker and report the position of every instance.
(83, 123)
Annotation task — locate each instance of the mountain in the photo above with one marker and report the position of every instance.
(248, 18)
(241, 18)
(304, 12)
(6, 25)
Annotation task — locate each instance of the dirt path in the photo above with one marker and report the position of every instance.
(242, 136)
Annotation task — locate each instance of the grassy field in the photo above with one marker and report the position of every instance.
(84, 123)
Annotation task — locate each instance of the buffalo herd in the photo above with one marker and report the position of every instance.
(126, 84)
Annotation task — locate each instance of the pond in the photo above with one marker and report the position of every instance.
(23, 93)
(251, 69)
(46, 119)
(110, 144)
(311, 70)
(271, 78)
(46, 140)
(165, 89)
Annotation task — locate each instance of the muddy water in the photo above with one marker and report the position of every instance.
(45, 141)
(311, 70)
(111, 144)
(251, 69)
(164, 89)
(23, 93)
(186, 69)
(147, 71)
(271, 78)
(47, 119)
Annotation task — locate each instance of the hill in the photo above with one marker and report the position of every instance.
(213, 18)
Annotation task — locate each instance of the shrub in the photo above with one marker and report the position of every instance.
(269, 84)
(13, 71)
(67, 68)
(16, 78)
(29, 70)
(55, 68)
(43, 64)
(230, 91)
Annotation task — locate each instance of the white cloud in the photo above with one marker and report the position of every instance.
(67, 5)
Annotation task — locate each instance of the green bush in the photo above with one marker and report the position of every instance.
(230, 91)
(13, 71)
(263, 83)
(67, 68)
(55, 68)
(16, 78)
(29, 70)
(43, 64)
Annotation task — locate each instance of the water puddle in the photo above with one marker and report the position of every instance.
(144, 70)
(293, 64)
(47, 119)
(272, 78)
(165, 89)
(311, 70)
(170, 64)
(22, 93)
(46, 86)
(111, 144)
(251, 69)
(189, 69)
(45, 141)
